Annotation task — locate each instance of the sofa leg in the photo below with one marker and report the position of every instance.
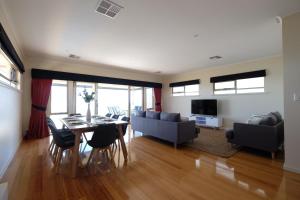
(273, 155)
(175, 145)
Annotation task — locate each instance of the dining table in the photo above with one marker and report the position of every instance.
(79, 125)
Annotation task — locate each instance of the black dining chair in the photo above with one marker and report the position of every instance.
(75, 115)
(124, 127)
(62, 144)
(108, 115)
(65, 133)
(63, 139)
(103, 137)
(115, 117)
(116, 144)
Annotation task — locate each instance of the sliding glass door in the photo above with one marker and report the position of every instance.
(112, 99)
(109, 98)
(149, 99)
(136, 99)
(59, 97)
(81, 105)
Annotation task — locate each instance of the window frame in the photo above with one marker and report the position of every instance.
(184, 93)
(236, 89)
(14, 79)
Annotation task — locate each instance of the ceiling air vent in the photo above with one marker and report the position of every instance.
(215, 57)
(108, 8)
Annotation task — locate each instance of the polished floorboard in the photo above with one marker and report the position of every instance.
(155, 170)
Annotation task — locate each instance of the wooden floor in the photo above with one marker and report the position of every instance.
(155, 171)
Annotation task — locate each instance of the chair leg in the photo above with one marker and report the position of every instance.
(84, 137)
(112, 158)
(59, 156)
(54, 154)
(273, 155)
(92, 153)
(50, 146)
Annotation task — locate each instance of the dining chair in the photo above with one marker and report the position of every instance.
(115, 117)
(62, 144)
(65, 133)
(108, 115)
(116, 144)
(75, 115)
(104, 136)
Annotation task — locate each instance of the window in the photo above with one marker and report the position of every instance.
(109, 98)
(240, 86)
(149, 99)
(178, 91)
(59, 97)
(81, 105)
(187, 90)
(191, 90)
(112, 99)
(136, 99)
(9, 75)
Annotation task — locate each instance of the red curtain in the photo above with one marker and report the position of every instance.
(157, 95)
(40, 92)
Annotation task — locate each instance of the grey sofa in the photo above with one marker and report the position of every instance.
(168, 128)
(259, 136)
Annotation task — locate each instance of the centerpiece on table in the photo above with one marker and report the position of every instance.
(88, 98)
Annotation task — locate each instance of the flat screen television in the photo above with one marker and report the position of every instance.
(205, 107)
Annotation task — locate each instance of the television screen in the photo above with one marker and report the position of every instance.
(205, 107)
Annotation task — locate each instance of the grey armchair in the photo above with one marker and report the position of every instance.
(263, 137)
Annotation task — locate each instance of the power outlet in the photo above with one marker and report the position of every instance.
(296, 97)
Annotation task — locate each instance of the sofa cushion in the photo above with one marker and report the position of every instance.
(268, 120)
(140, 113)
(255, 120)
(277, 115)
(172, 117)
(152, 115)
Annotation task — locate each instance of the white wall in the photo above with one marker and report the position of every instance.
(291, 56)
(233, 108)
(66, 65)
(10, 108)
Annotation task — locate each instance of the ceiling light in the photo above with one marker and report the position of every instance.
(215, 57)
(108, 8)
(73, 56)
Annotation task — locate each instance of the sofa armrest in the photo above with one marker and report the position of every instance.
(186, 131)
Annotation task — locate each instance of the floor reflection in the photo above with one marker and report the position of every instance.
(227, 172)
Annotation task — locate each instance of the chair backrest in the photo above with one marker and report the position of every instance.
(51, 125)
(124, 127)
(108, 115)
(115, 117)
(104, 135)
(127, 119)
(75, 114)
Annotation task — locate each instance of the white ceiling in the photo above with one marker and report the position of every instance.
(152, 35)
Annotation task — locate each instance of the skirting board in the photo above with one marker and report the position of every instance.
(291, 169)
(3, 170)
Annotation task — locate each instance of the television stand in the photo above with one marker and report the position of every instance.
(207, 121)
